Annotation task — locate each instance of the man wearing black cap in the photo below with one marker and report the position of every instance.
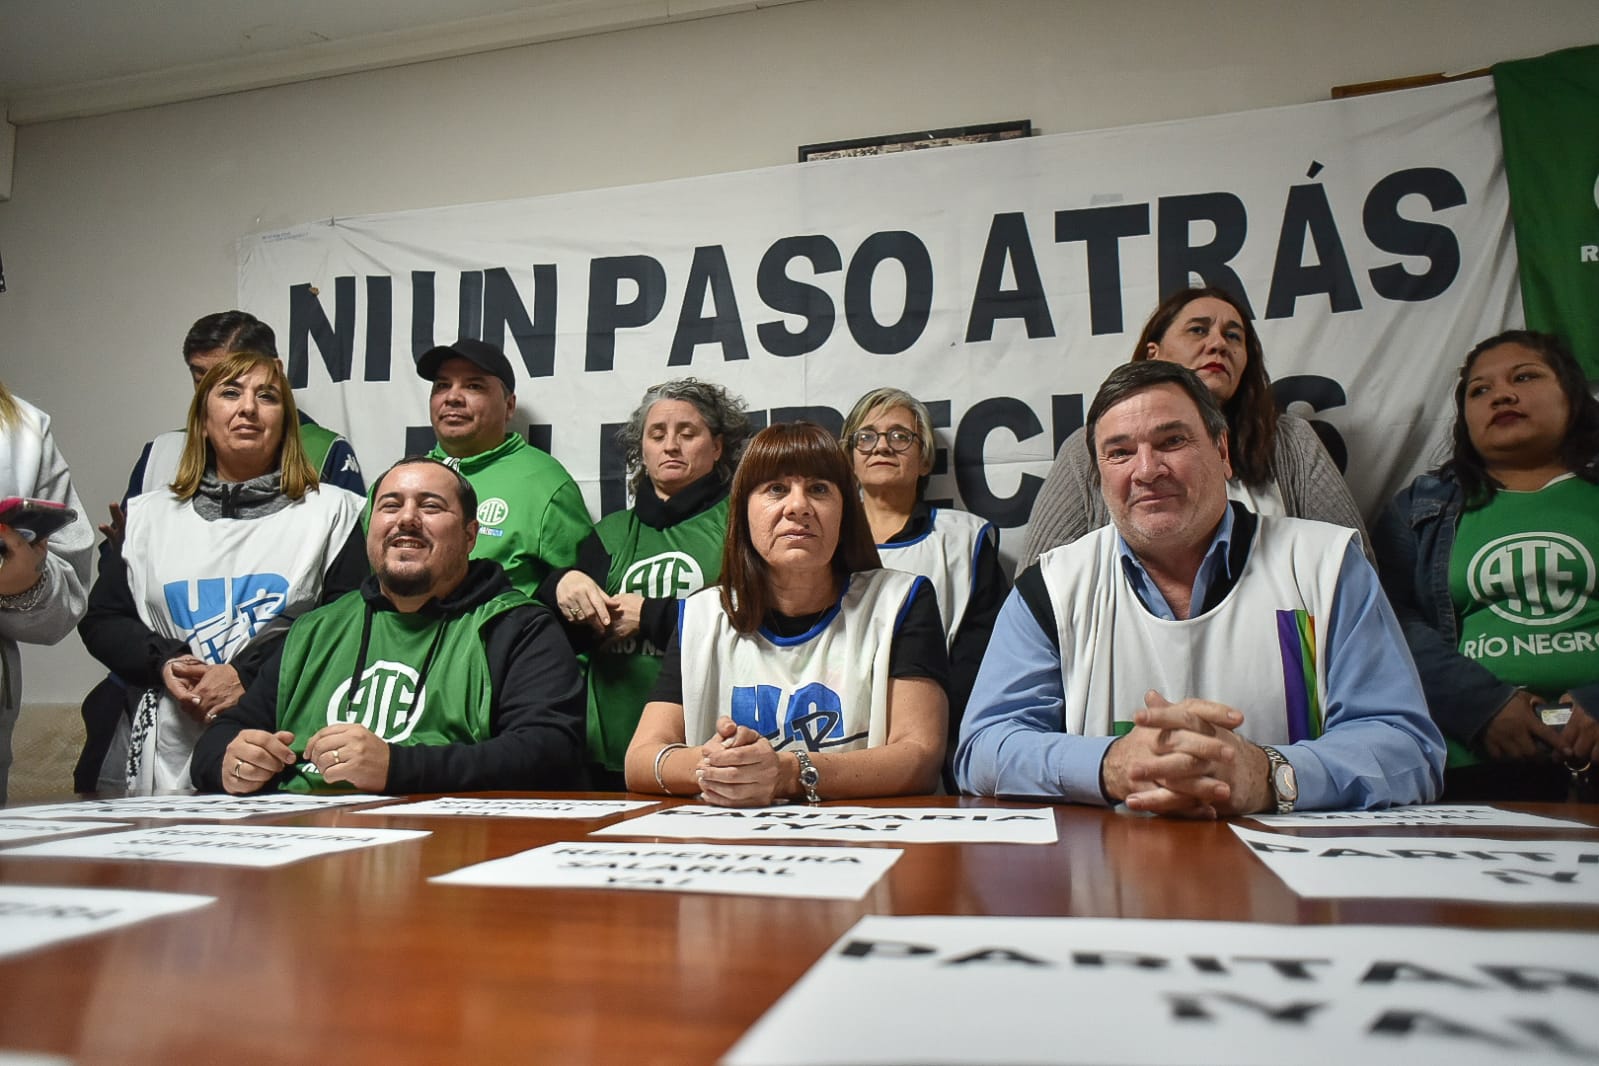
(530, 513)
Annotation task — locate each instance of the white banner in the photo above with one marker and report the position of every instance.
(1072, 990)
(999, 283)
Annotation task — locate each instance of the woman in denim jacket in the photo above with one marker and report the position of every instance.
(1526, 448)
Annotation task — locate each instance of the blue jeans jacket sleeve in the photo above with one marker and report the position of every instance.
(1413, 538)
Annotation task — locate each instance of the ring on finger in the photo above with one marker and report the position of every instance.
(337, 758)
(238, 768)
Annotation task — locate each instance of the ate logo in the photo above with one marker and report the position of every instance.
(1535, 579)
(387, 702)
(492, 511)
(668, 575)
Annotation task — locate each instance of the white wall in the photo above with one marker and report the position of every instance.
(120, 229)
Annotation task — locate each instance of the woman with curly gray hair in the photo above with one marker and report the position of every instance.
(620, 600)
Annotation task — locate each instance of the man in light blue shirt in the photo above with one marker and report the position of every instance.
(1194, 658)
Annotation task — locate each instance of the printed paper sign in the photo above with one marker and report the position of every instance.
(1125, 992)
(1425, 867)
(32, 916)
(213, 807)
(918, 825)
(242, 845)
(514, 808)
(816, 873)
(15, 829)
(1439, 814)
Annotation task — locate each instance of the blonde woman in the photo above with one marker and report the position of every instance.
(42, 582)
(213, 569)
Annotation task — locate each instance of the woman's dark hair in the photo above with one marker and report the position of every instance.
(232, 331)
(1579, 451)
(788, 449)
(1252, 410)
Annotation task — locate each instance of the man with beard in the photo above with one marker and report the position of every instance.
(436, 675)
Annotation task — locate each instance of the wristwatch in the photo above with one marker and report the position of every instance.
(1284, 785)
(808, 777)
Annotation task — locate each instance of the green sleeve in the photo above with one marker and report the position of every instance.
(566, 525)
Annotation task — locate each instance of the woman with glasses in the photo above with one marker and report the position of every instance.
(889, 438)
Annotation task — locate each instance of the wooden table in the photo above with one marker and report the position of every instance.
(357, 958)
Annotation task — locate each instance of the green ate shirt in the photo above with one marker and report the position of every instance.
(670, 563)
(319, 657)
(531, 516)
(1523, 579)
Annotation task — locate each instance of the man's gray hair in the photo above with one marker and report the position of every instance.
(1131, 378)
(723, 414)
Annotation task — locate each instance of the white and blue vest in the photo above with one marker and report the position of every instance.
(1262, 650)
(825, 689)
(946, 555)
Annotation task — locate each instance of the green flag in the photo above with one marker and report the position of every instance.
(1549, 119)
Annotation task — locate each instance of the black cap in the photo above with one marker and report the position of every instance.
(480, 354)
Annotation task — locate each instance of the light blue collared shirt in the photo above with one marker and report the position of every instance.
(1379, 746)
(1215, 565)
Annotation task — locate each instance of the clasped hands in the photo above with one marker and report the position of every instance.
(740, 768)
(203, 690)
(1185, 759)
(344, 753)
(582, 602)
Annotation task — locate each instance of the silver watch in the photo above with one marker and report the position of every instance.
(808, 777)
(1284, 785)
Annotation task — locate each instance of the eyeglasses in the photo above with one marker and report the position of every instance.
(898, 440)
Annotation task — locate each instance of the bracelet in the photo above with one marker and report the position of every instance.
(28, 598)
(659, 757)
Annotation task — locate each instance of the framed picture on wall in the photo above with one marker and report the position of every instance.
(910, 142)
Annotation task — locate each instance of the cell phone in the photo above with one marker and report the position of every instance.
(35, 519)
(1553, 715)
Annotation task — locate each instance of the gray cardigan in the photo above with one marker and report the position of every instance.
(1069, 503)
